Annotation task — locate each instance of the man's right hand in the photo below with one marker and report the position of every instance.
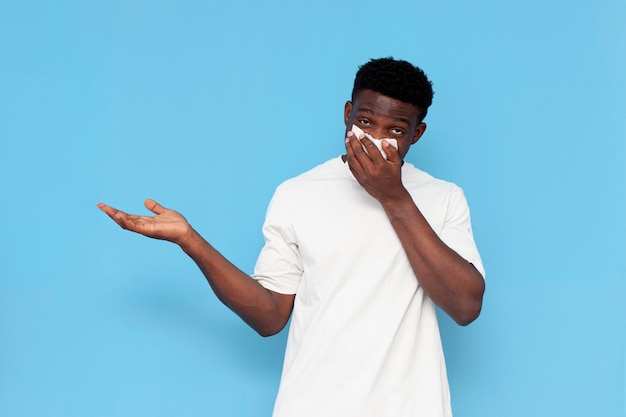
(166, 225)
(264, 310)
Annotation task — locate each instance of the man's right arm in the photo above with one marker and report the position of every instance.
(264, 310)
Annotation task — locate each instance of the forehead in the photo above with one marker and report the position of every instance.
(369, 101)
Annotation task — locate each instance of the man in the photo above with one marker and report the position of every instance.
(358, 251)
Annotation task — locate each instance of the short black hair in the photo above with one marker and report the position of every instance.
(396, 79)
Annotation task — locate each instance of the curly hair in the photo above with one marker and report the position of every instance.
(397, 79)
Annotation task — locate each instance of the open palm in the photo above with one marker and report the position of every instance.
(166, 225)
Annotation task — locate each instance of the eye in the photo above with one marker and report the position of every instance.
(397, 131)
(364, 122)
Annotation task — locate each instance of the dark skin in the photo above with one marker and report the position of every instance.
(265, 311)
(449, 280)
(452, 283)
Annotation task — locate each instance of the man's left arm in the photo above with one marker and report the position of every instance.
(454, 284)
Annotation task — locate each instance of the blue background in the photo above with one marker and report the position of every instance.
(207, 106)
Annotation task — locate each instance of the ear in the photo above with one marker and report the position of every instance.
(419, 131)
(347, 111)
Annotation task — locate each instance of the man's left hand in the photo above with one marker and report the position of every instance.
(380, 177)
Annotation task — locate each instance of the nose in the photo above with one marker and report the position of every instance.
(377, 133)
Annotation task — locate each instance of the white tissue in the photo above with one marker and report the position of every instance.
(378, 142)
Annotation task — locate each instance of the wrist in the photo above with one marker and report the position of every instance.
(396, 199)
(188, 239)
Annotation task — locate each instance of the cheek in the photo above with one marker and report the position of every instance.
(403, 147)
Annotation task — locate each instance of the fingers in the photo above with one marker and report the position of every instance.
(126, 221)
(362, 152)
(150, 204)
(353, 147)
(110, 211)
(372, 150)
(116, 215)
(392, 153)
(368, 147)
(153, 206)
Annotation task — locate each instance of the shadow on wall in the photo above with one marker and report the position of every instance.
(204, 325)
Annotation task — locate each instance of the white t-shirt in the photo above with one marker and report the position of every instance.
(363, 339)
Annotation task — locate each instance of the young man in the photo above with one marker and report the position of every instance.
(358, 251)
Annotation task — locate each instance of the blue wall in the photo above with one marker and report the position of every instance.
(207, 106)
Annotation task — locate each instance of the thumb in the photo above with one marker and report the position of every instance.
(392, 153)
(153, 206)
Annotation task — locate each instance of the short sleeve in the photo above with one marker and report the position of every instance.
(279, 266)
(457, 229)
